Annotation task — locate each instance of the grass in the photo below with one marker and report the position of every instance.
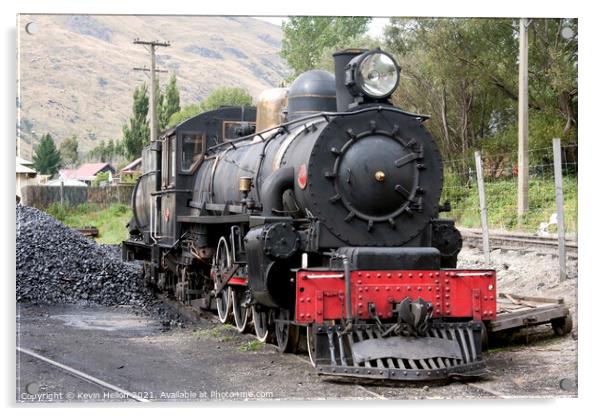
(501, 197)
(223, 333)
(111, 221)
(254, 345)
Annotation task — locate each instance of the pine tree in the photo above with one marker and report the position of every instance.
(137, 134)
(47, 159)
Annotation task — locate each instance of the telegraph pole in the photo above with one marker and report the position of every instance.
(523, 119)
(152, 46)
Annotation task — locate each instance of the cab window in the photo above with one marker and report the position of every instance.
(192, 151)
(172, 160)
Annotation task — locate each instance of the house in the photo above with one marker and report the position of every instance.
(133, 167)
(131, 171)
(87, 172)
(26, 175)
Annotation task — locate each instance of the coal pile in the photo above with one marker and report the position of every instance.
(58, 265)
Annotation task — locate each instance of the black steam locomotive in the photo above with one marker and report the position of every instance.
(317, 212)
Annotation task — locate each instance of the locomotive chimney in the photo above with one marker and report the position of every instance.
(341, 59)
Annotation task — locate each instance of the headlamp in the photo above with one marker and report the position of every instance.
(374, 74)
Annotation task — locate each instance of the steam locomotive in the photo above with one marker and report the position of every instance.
(317, 213)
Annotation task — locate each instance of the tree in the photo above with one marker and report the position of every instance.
(219, 97)
(100, 178)
(306, 38)
(69, 151)
(226, 96)
(136, 134)
(187, 112)
(47, 159)
(463, 72)
(172, 100)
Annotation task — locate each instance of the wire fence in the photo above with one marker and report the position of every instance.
(500, 174)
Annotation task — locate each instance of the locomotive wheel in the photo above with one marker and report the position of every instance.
(224, 305)
(241, 314)
(311, 345)
(287, 334)
(223, 299)
(261, 324)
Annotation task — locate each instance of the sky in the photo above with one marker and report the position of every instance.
(376, 25)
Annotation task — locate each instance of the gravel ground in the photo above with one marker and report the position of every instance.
(527, 274)
(212, 361)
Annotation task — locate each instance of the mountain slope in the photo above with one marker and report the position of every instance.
(75, 72)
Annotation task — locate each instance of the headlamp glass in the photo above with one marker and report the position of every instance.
(377, 75)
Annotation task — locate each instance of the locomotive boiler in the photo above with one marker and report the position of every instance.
(316, 216)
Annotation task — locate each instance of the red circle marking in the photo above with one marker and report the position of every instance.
(302, 176)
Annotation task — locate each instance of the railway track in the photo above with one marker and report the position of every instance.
(519, 242)
(81, 375)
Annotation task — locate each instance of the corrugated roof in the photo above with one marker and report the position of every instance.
(24, 169)
(132, 165)
(23, 162)
(87, 171)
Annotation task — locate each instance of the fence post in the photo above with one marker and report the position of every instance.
(559, 207)
(483, 204)
(62, 193)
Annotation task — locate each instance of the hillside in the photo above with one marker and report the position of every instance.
(75, 73)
